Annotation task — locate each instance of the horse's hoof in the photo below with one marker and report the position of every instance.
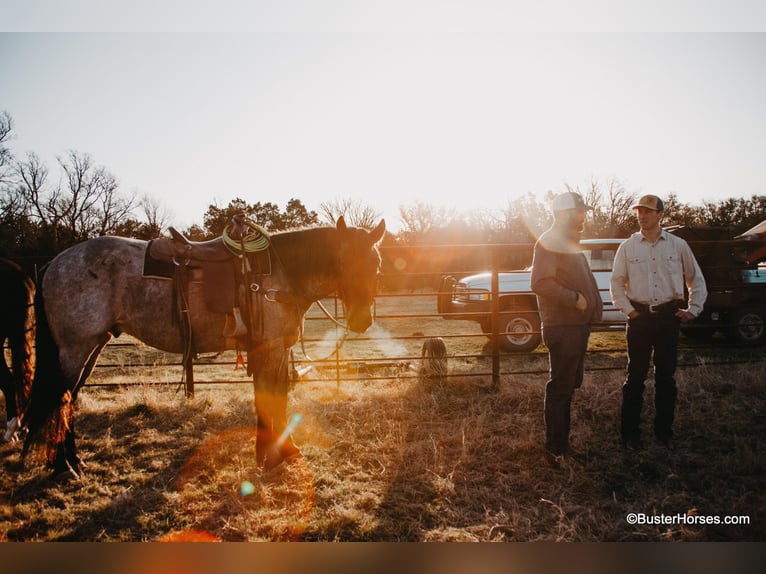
(290, 453)
(275, 457)
(272, 460)
(293, 458)
(64, 472)
(65, 476)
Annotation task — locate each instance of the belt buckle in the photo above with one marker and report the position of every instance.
(654, 309)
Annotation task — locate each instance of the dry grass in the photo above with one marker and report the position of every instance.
(397, 458)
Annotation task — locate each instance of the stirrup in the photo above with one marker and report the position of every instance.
(238, 328)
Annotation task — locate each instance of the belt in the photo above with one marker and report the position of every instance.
(669, 307)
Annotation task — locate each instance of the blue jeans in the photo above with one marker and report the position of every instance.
(567, 345)
(647, 336)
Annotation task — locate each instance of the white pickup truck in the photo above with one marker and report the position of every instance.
(469, 299)
(735, 273)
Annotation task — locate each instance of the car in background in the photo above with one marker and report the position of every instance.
(734, 270)
(469, 299)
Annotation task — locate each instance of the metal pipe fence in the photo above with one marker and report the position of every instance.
(406, 319)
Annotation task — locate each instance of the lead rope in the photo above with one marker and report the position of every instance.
(338, 343)
(255, 239)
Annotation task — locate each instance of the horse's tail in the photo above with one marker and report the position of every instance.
(51, 409)
(21, 343)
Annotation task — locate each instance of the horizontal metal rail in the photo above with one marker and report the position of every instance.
(391, 308)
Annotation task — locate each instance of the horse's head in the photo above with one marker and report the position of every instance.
(359, 265)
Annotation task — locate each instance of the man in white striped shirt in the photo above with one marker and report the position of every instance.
(651, 269)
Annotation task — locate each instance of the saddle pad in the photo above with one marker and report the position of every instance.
(156, 267)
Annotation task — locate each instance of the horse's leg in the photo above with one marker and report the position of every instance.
(273, 443)
(77, 363)
(11, 410)
(71, 461)
(6, 385)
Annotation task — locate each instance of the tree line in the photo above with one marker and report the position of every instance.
(525, 217)
(42, 213)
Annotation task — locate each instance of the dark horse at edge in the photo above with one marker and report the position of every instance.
(17, 327)
(97, 290)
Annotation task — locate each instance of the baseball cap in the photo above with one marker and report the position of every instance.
(649, 202)
(569, 200)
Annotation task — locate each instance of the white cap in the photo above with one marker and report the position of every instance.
(569, 200)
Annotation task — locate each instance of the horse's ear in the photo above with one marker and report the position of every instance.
(341, 224)
(377, 233)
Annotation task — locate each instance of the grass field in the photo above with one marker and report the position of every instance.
(394, 457)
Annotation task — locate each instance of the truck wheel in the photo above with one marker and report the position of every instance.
(520, 331)
(748, 326)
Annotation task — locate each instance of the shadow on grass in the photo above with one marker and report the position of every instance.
(133, 456)
(471, 465)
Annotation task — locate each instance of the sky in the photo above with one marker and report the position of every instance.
(457, 104)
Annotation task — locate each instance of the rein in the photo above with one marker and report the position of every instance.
(338, 343)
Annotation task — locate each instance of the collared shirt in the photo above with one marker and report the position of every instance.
(655, 273)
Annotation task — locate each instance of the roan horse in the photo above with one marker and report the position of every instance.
(17, 326)
(98, 289)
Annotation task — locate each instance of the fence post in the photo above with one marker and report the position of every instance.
(337, 351)
(189, 375)
(495, 317)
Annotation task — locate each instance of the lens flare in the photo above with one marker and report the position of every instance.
(295, 420)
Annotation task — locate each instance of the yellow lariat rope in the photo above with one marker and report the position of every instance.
(256, 239)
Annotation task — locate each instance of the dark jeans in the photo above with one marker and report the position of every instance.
(658, 335)
(567, 345)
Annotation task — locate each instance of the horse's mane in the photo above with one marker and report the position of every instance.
(308, 251)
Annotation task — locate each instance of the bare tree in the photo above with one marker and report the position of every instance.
(85, 189)
(157, 217)
(419, 218)
(487, 219)
(353, 211)
(612, 216)
(33, 177)
(6, 157)
(111, 209)
(85, 204)
(526, 215)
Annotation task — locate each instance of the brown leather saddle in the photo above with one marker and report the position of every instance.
(181, 250)
(221, 268)
(228, 276)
